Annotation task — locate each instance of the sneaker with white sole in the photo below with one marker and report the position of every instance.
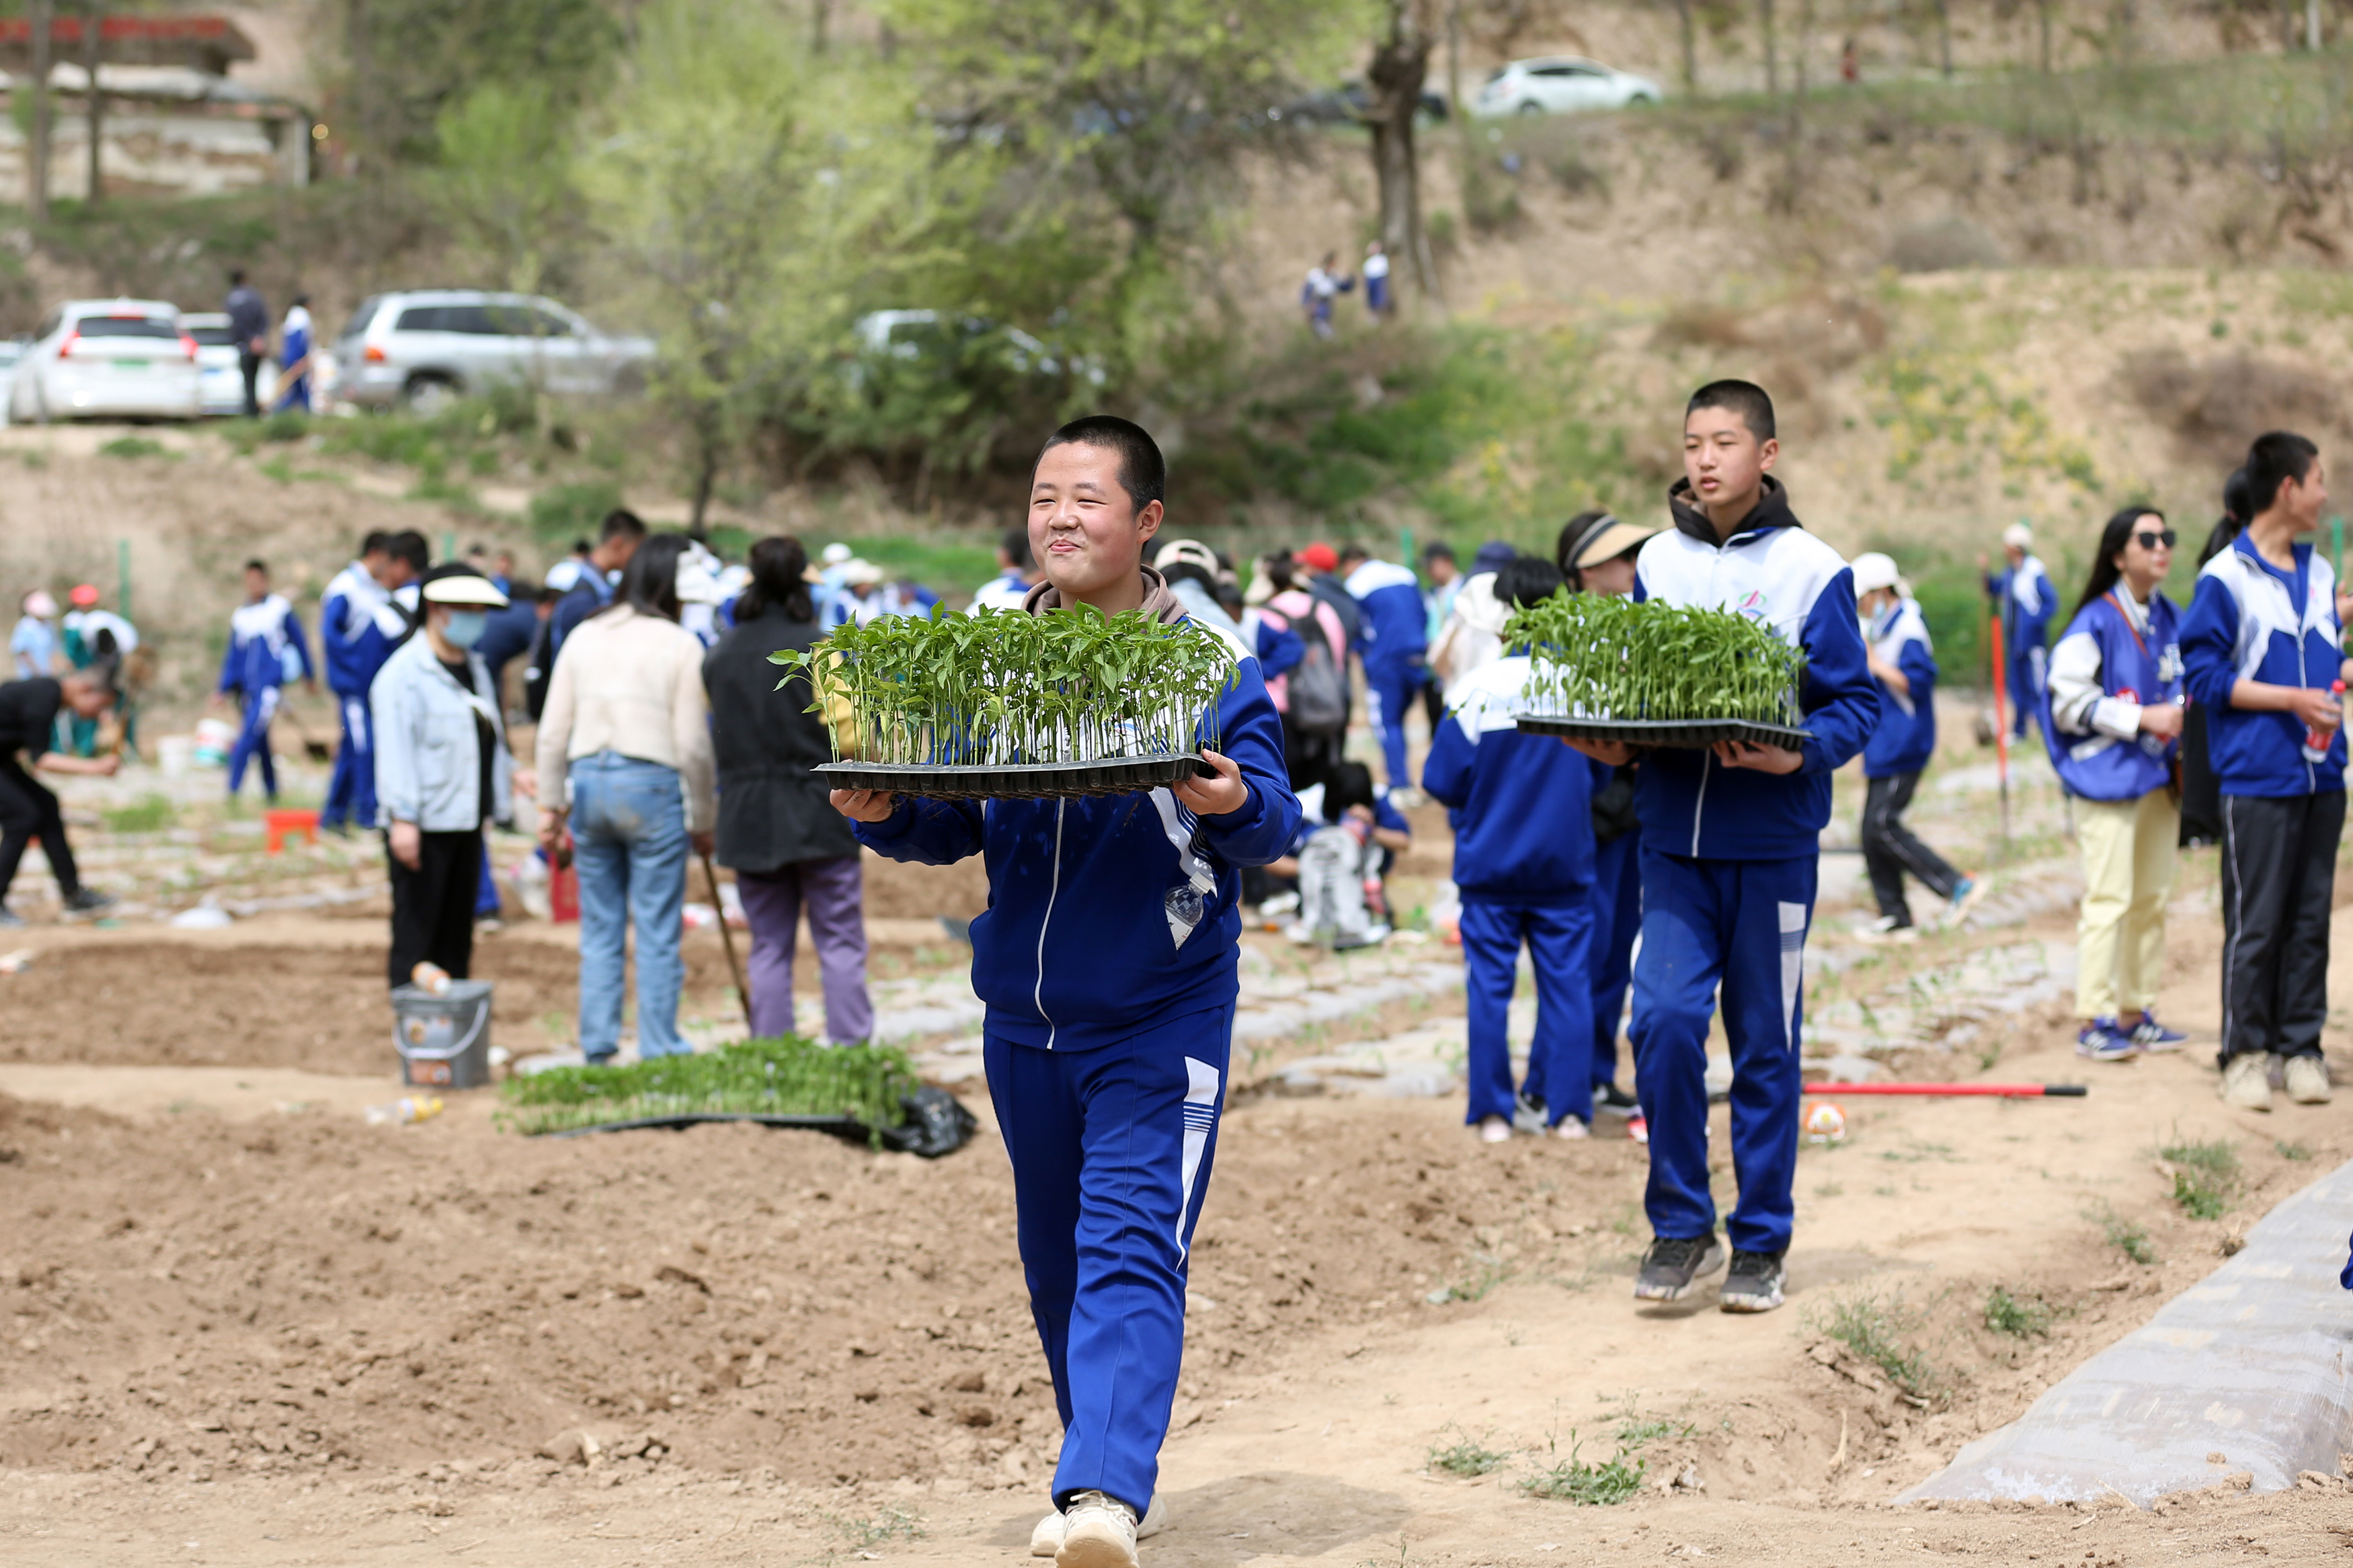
(2247, 1080)
(1495, 1130)
(1047, 1538)
(1887, 928)
(1569, 1127)
(2101, 1041)
(2153, 1037)
(1966, 897)
(1753, 1282)
(1608, 1099)
(2307, 1079)
(1098, 1532)
(1674, 1263)
(1637, 1127)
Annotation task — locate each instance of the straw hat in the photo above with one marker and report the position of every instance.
(1606, 540)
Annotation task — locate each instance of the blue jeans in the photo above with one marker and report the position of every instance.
(628, 840)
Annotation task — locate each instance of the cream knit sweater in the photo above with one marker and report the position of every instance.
(633, 684)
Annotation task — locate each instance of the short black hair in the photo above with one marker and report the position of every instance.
(1527, 580)
(257, 566)
(1142, 471)
(1348, 784)
(1016, 546)
(376, 541)
(409, 545)
(581, 547)
(2278, 457)
(1436, 550)
(235, 277)
(1745, 398)
(1352, 551)
(622, 524)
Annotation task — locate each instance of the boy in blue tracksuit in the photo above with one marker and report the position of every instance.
(360, 624)
(1730, 841)
(1522, 811)
(1903, 668)
(1396, 639)
(2260, 649)
(2025, 599)
(265, 650)
(1108, 962)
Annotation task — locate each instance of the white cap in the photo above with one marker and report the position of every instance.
(698, 576)
(470, 588)
(39, 606)
(2018, 536)
(1186, 553)
(834, 553)
(1873, 570)
(859, 573)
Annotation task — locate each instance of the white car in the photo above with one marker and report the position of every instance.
(421, 348)
(1561, 84)
(219, 365)
(97, 359)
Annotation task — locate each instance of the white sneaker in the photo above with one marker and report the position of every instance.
(1571, 1127)
(1495, 1130)
(2246, 1080)
(2307, 1079)
(1047, 1538)
(1098, 1532)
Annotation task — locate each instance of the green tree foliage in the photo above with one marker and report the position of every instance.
(411, 61)
(504, 187)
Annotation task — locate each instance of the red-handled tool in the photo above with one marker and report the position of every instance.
(1993, 1090)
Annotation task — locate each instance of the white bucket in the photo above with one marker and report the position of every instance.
(214, 738)
(175, 753)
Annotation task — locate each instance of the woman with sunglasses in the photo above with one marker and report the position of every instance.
(2113, 722)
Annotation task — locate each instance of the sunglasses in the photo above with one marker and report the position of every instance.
(2151, 540)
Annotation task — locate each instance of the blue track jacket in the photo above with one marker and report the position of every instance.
(1522, 805)
(1397, 623)
(346, 614)
(2245, 623)
(1110, 913)
(1773, 570)
(2110, 663)
(1905, 737)
(258, 639)
(2027, 600)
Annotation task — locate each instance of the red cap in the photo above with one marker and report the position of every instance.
(1319, 557)
(84, 595)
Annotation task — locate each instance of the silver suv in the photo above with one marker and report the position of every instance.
(422, 347)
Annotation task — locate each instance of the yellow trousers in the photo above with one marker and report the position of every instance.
(2130, 853)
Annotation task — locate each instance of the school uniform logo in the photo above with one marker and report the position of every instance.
(1755, 606)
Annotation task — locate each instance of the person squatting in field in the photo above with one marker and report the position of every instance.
(1731, 840)
(1108, 960)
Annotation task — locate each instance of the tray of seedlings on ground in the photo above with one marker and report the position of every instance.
(867, 1092)
(1005, 704)
(1648, 673)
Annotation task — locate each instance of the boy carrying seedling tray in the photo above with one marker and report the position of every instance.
(1108, 962)
(1731, 837)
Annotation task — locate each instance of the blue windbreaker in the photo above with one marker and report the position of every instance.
(1776, 572)
(345, 614)
(2104, 671)
(2027, 600)
(260, 640)
(1397, 623)
(1108, 914)
(2245, 625)
(1522, 805)
(1905, 737)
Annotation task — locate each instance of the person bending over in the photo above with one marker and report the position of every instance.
(28, 718)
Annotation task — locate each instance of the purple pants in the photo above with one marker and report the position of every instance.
(771, 905)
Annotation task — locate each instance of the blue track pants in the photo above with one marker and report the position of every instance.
(1740, 924)
(1617, 921)
(253, 742)
(351, 788)
(1559, 937)
(1396, 687)
(1111, 1149)
(2027, 672)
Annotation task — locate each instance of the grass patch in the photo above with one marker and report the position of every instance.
(1573, 1480)
(2205, 1176)
(1878, 1329)
(1485, 1274)
(148, 813)
(1466, 1457)
(565, 512)
(786, 1077)
(2008, 1314)
(2291, 1151)
(2126, 1236)
(133, 446)
(894, 1523)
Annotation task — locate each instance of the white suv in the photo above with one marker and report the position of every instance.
(1561, 84)
(421, 348)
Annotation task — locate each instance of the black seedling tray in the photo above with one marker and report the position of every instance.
(1032, 781)
(1678, 732)
(936, 1124)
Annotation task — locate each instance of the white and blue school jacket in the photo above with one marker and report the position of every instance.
(2113, 659)
(1773, 571)
(1906, 736)
(346, 611)
(265, 648)
(1522, 805)
(1111, 913)
(2028, 600)
(1396, 622)
(2245, 623)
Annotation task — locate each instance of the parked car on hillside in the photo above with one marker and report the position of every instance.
(220, 366)
(94, 359)
(944, 340)
(1349, 104)
(419, 348)
(1561, 84)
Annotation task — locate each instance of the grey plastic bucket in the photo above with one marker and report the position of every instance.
(444, 1041)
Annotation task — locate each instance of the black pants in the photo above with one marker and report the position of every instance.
(2201, 791)
(1890, 848)
(1309, 757)
(27, 812)
(249, 365)
(433, 906)
(2279, 879)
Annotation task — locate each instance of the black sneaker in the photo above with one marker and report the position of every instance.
(1528, 1115)
(1674, 1264)
(87, 901)
(1608, 1099)
(1754, 1285)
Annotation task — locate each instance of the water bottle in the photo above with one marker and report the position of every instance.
(403, 1111)
(2316, 741)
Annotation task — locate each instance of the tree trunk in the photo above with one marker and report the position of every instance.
(1690, 46)
(1393, 84)
(361, 133)
(817, 18)
(93, 46)
(37, 156)
(1944, 37)
(2312, 26)
(1772, 62)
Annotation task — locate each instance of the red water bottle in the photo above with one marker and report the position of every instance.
(2319, 740)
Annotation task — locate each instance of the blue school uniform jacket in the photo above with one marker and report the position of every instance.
(1110, 913)
(1397, 623)
(262, 640)
(2244, 623)
(1522, 805)
(1776, 572)
(345, 613)
(2092, 726)
(2027, 601)
(1906, 736)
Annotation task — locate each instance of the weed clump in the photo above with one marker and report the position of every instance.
(1574, 1481)
(2288, 1150)
(2205, 1176)
(1601, 657)
(2019, 1319)
(1878, 1329)
(1466, 1457)
(2126, 1236)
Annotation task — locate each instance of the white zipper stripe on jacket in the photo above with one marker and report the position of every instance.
(1054, 885)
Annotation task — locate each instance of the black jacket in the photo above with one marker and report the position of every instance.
(772, 811)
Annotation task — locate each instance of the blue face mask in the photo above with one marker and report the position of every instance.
(466, 628)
